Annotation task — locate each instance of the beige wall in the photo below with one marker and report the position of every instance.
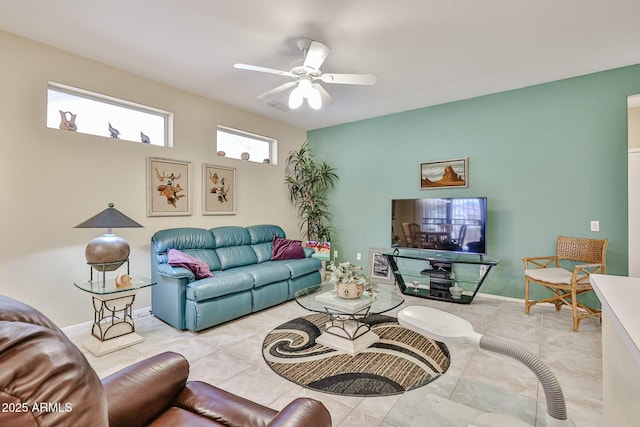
(55, 179)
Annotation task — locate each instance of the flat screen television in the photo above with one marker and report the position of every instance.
(440, 224)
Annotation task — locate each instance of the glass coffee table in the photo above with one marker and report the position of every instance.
(347, 329)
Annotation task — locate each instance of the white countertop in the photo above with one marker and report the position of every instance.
(620, 299)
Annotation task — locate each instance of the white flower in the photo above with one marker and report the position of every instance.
(346, 272)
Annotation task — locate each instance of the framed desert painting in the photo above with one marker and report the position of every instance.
(444, 173)
(168, 187)
(219, 190)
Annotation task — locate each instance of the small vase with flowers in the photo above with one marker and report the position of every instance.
(348, 279)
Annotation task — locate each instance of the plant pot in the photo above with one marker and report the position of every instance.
(350, 290)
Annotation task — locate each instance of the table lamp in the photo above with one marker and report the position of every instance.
(446, 327)
(108, 252)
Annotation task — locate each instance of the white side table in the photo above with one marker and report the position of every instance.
(113, 327)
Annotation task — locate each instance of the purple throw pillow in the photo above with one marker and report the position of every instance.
(179, 259)
(286, 249)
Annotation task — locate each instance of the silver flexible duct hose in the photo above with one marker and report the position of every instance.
(555, 399)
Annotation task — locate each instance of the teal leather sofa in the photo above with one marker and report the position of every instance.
(245, 279)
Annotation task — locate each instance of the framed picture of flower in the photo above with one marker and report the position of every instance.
(218, 190)
(168, 187)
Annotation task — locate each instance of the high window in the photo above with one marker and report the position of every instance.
(82, 111)
(237, 144)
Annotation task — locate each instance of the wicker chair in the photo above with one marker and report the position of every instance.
(414, 236)
(411, 232)
(585, 256)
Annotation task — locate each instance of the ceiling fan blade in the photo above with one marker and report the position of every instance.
(324, 95)
(277, 90)
(263, 70)
(316, 55)
(349, 79)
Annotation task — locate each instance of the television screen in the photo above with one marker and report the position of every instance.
(444, 224)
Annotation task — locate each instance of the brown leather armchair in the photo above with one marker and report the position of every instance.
(46, 381)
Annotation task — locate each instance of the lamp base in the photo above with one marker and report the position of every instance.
(107, 252)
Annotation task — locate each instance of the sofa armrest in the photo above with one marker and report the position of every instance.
(176, 272)
(308, 252)
(302, 412)
(224, 407)
(141, 392)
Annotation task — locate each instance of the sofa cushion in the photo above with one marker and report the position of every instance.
(222, 283)
(286, 249)
(199, 268)
(300, 267)
(266, 273)
(236, 256)
(182, 238)
(263, 251)
(264, 233)
(230, 236)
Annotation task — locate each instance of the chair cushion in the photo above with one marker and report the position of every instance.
(175, 416)
(558, 276)
(41, 365)
(179, 259)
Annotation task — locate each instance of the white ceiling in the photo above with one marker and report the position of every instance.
(424, 52)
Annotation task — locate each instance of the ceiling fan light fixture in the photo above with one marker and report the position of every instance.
(305, 87)
(314, 99)
(295, 98)
(314, 53)
(305, 90)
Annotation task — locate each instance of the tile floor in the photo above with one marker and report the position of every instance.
(229, 356)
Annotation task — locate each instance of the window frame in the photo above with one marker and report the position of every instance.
(117, 102)
(273, 142)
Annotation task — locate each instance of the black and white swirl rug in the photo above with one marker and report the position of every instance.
(402, 360)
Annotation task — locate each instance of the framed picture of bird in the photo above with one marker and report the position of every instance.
(168, 187)
(218, 190)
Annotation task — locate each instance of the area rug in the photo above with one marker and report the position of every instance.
(402, 360)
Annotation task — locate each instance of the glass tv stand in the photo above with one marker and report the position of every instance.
(451, 278)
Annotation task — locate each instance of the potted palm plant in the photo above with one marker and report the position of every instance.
(309, 179)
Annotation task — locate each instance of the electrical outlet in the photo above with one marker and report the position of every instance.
(335, 253)
(358, 256)
(595, 225)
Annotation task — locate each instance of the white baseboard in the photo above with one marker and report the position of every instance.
(500, 297)
(85, 327)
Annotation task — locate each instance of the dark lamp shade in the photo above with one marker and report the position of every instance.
(108, 252)
(109, 218)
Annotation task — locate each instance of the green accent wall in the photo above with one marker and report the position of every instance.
(550, 158)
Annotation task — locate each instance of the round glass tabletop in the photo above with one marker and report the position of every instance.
(323, 298)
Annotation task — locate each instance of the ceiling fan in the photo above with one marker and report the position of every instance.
(306, 75)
